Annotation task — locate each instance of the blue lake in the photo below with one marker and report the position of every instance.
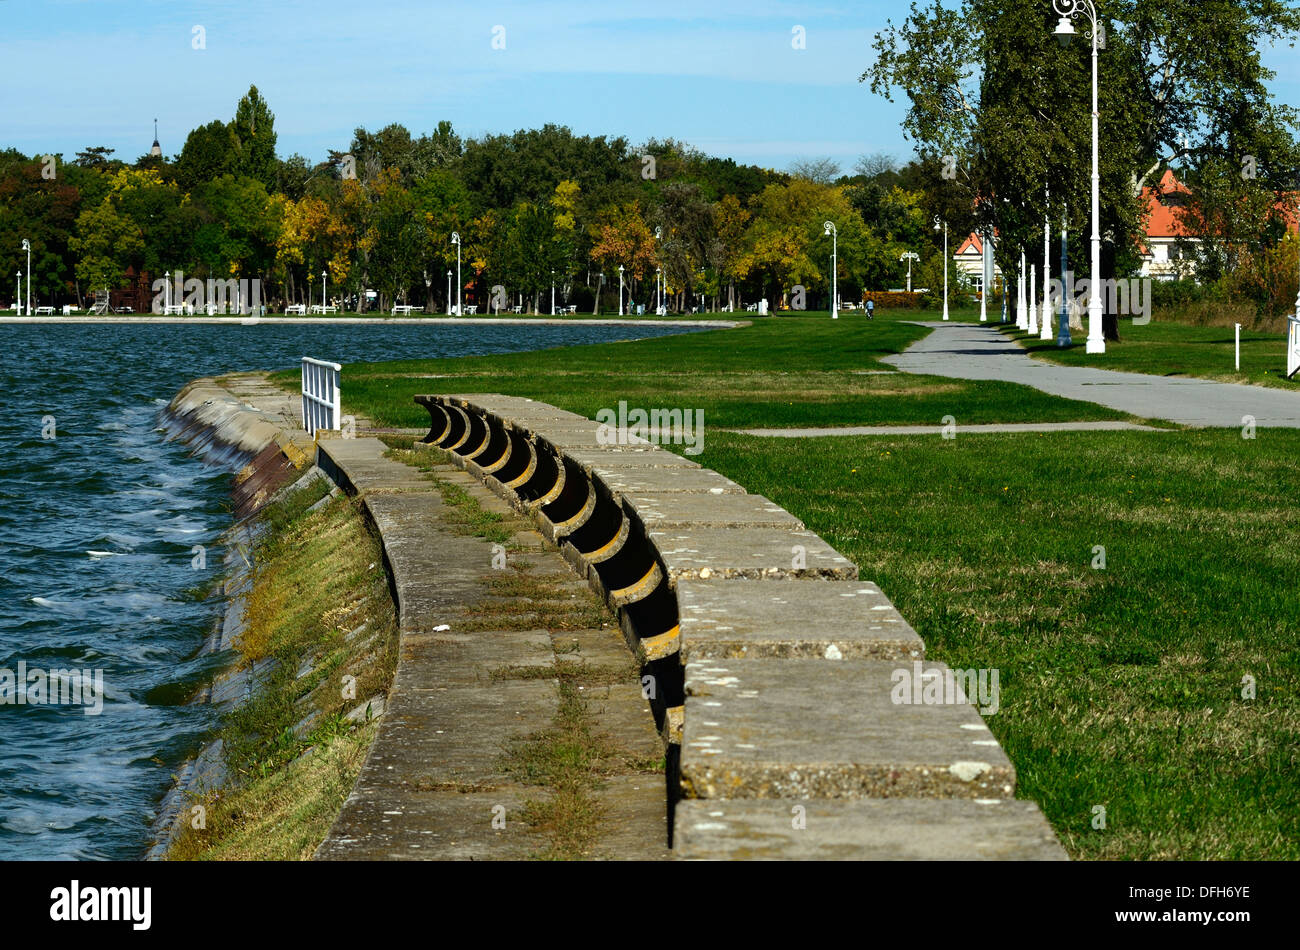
(77, 786)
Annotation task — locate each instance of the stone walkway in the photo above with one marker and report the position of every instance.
(974, 351)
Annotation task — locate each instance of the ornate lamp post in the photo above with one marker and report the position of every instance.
(909, 256)
(455, 239)
(945, 264)
(1068, 10)
(834, 234)
(27, 246)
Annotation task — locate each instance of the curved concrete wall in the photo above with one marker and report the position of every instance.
(771, 667)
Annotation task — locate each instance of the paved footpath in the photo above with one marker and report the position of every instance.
(974, 351)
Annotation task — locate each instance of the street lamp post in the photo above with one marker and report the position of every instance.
(552, 291)
(18, 296)
(986, 276)
(449, 290)
(324, 295)
(834, 234)
(1033, 300)
(1045, 330)
(167, 291)
(455, 239)
(1063, 330)
(27, 246)
(620, 290)
(1068, 10)
(659, 297)
(910, 256)
(945, 264)
(1022, 318)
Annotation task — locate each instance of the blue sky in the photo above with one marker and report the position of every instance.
(719, 74)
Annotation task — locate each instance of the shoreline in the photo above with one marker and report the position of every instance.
(379, 321)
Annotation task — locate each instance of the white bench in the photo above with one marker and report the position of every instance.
(471, 309)
(298, 309)
(175, 309)
(517, 308)
(45, 310)
(404, 309)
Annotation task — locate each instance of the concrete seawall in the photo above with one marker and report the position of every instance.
(772, 666)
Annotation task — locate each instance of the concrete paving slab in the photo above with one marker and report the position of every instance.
(812, 729)
(739, 618)
(664, 510)
(433, 825)
(458, 734)
(433, 572)
(893, 829)
(634, 826)
(448, 658)
(359, 467)
(667, 478)
(622, 713)
(760, 553)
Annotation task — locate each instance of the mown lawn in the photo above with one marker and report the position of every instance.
(1121, 687)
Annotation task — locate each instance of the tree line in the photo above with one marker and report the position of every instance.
(532, 208)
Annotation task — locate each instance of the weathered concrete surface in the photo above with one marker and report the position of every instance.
(654, 478)
(972, 351)
(892, 829)
(760, 553)
(809, 728)
(739, 618)
(664, 510)
(359, 466)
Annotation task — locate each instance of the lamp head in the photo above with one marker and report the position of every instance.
(455, 237)
(27, 245)
(1065, 31)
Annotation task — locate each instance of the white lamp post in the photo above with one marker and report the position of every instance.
(455, 239)
(1063, 330)
(1033, 300)
(1022, 318)
(620, 290)
(324, 298)
(945, 264)
(1069, 9)
(167, 291)
(449, 290)
(910, 256)
(659, 297)
(834, 234)
(986, 276)
(27, 246)
(552, 291)
(1045, 327)
(18, 296)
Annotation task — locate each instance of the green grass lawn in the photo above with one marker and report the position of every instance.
(1167, 348)
(805, 370)
(1121, 687)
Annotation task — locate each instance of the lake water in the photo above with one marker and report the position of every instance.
(96, 528)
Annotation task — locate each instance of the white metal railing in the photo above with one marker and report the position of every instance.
(1293, 343)
(321, 397)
